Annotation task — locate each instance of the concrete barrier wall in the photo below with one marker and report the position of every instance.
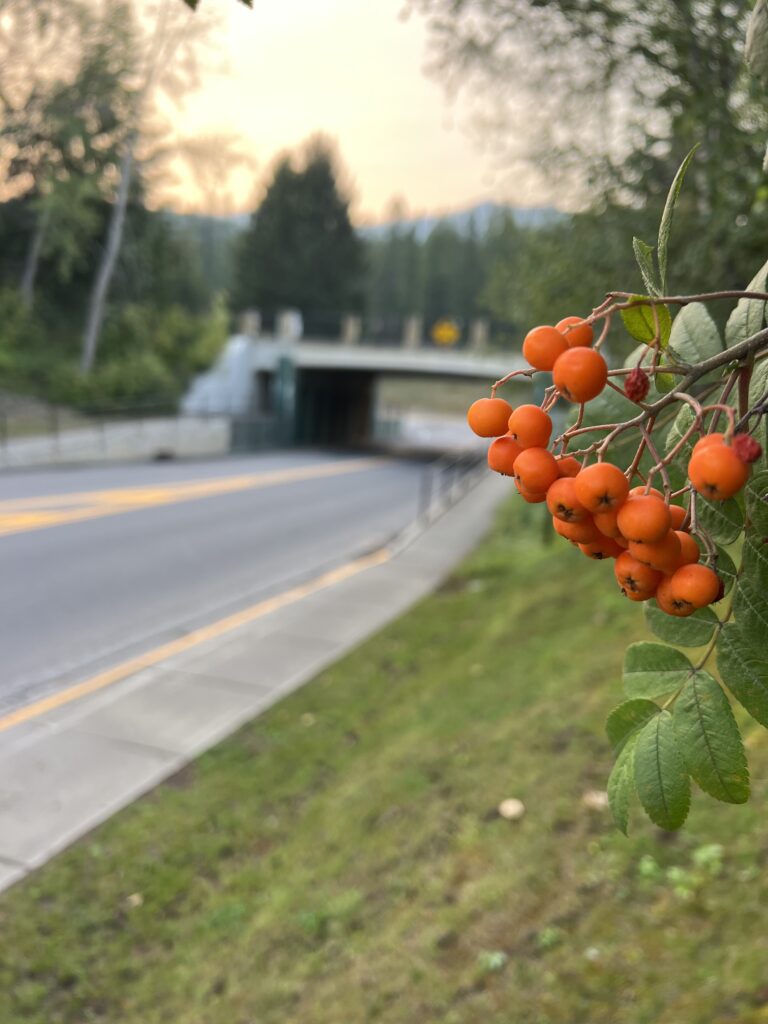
(168, 437)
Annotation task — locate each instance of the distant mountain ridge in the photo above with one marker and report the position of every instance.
(481, 216)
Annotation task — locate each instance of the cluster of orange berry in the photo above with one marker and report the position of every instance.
(594, 506)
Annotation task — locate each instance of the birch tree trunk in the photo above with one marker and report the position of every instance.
(32, 261)
(109, 257)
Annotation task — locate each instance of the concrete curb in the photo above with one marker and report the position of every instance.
(70, 769)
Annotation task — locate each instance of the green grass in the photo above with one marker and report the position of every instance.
(341, 860)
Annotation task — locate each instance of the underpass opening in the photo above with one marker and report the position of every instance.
(334, 407)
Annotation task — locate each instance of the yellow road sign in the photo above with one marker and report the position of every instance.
(446, 332)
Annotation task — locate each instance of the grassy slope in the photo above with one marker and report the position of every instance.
(341, 860)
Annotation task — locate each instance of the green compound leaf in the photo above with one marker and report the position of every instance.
(723, 520)
(725, 569)
(750, 606)
(652, 670)
(748, 316)
(640, 324)
(626, 719)
(744, 668)
(644, 257)
(694, 336)
(695, 631)
(756, 497)
(666, 217)
(661, 780)
(621, 785)
(710, 741)
(755, 559)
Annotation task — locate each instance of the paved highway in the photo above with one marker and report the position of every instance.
(99, 564)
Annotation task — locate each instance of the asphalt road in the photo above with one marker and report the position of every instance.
(99, 564)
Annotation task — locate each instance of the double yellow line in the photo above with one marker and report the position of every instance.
(20, 515)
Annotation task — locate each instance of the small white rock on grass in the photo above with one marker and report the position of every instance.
(512, 809)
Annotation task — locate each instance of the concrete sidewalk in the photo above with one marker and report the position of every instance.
(68, 769)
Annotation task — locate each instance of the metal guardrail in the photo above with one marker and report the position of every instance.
(446, 480)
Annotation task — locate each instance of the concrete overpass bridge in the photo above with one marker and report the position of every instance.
(299, 391)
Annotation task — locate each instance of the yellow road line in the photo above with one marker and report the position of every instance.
(19, 515)
(198, 636)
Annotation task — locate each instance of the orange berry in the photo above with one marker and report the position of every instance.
(641, 490)
(663, 554)
(568, 466)
(563, 503)
(542, 346)
(717, 472)
(502, 454)
(606, 523)
(669, 603)
(637, 581)
(706, 441)
(535, 469)
(601, 487)
(580, 333)
(532, 497)
(644, 518)
(530, 426)
(689, 549)
(696, 585)
(580, 374)
(580, 533)
(488, 417)
(603, 547)
(678, 515)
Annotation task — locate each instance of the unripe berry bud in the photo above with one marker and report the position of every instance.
(746, 447)
(636, 385)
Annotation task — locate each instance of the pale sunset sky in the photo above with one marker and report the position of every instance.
(354, 70)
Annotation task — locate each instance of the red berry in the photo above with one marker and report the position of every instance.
(746, 447)
(636, 385)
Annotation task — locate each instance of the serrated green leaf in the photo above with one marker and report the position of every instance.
(694, 336)
(661, 780)
(750, 606)
(709, 740)
(644, 257)
(666, 217)
(722, 520)
(748, 316)
(756, 498)
(626, 719)
(744, 669)
(621, 785)
(725, 569)
(694, 631)
(651, 670)
(640, 323)
(755, 559)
